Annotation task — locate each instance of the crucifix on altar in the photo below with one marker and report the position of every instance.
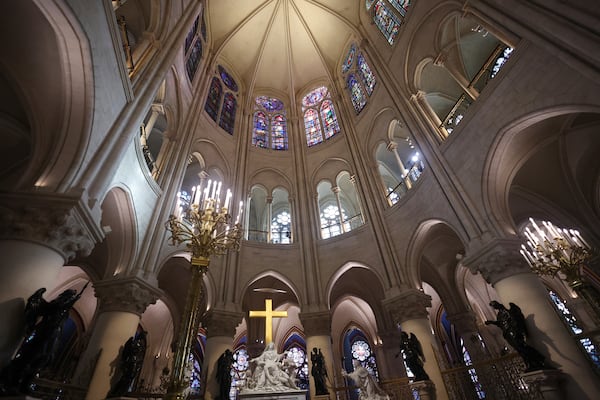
(268, 314)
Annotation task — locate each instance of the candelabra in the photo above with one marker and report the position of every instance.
(560, 252)
(205, 228)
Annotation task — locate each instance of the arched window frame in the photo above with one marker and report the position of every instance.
(388, 15)
(269, 128)
(193, 46)
(320, 118)
(222, 99)
(359, 77)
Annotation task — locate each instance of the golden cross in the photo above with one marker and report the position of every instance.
(268, 314)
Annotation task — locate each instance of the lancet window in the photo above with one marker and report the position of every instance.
(388, 15)
(221, 102)
(360, 79)
(270, 124)
(320, 119)
(193, 48)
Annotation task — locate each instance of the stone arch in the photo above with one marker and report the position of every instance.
(50, 67)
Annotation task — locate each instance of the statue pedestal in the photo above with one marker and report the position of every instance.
(547, 382)
(426, 389)
(291, 395)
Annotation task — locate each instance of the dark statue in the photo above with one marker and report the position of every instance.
(43, 327)
(514, 331)
(224, 364)
(413, 355)
(318, 372)
(130, 364)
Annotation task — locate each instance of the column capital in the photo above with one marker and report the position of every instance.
(316, 323)
(497, 259)
(465, 321)
(61, 222)
(410, 304)
(221, 323)
(131, 295)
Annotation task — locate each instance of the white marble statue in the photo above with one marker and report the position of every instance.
(271, 372)
(369, 388)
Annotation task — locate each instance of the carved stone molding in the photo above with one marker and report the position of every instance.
(465, 321)
(496, 260)
(316, 323)
(221, 323)
(410, 304)
(62, 223)
(131, 295)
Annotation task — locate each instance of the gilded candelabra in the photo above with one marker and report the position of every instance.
(205, 228)
(560, 252)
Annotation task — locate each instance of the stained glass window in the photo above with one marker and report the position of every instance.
(330, 123)
(330, 221)
(228, 113)
(312, 127)
(361, 351)
(193, 60)
(319, 111)
(278, 133)
(192, 50)
(387, 22)
(270, 124)
(259, 138)
(369, 3)
(227, 79)
(400, 5)
(191, 35)
(214, 98)
(349, 59)
(298, 357)
(366, 74)
(356, 94)
(591, 349)
(238, 370)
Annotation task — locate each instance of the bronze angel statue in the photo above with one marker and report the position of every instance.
(514, 331)
(413, 355)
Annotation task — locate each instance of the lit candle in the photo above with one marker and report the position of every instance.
(219, 194)
(239, 214)
(197, 195)
(526, 258)
(227, 199)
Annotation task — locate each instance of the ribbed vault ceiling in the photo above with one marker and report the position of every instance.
(282, 45)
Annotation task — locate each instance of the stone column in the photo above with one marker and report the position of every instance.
(409, 309)
(220, 331)
(121, 304)
(466, 325)
(317, 328)
(38, 235)
(501, 264)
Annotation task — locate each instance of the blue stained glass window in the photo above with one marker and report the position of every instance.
(312, 127)
(278, 133)
(259, 137)
(269, 103)
(227, 119)
(315, 97)
(215, 93)
(356, 93)
(387, 22)
(400, 5)
(330, 123)
(366, 74)
(191, 64)
(227, 79)
(349, 59)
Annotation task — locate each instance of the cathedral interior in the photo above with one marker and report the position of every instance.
(384, 166)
